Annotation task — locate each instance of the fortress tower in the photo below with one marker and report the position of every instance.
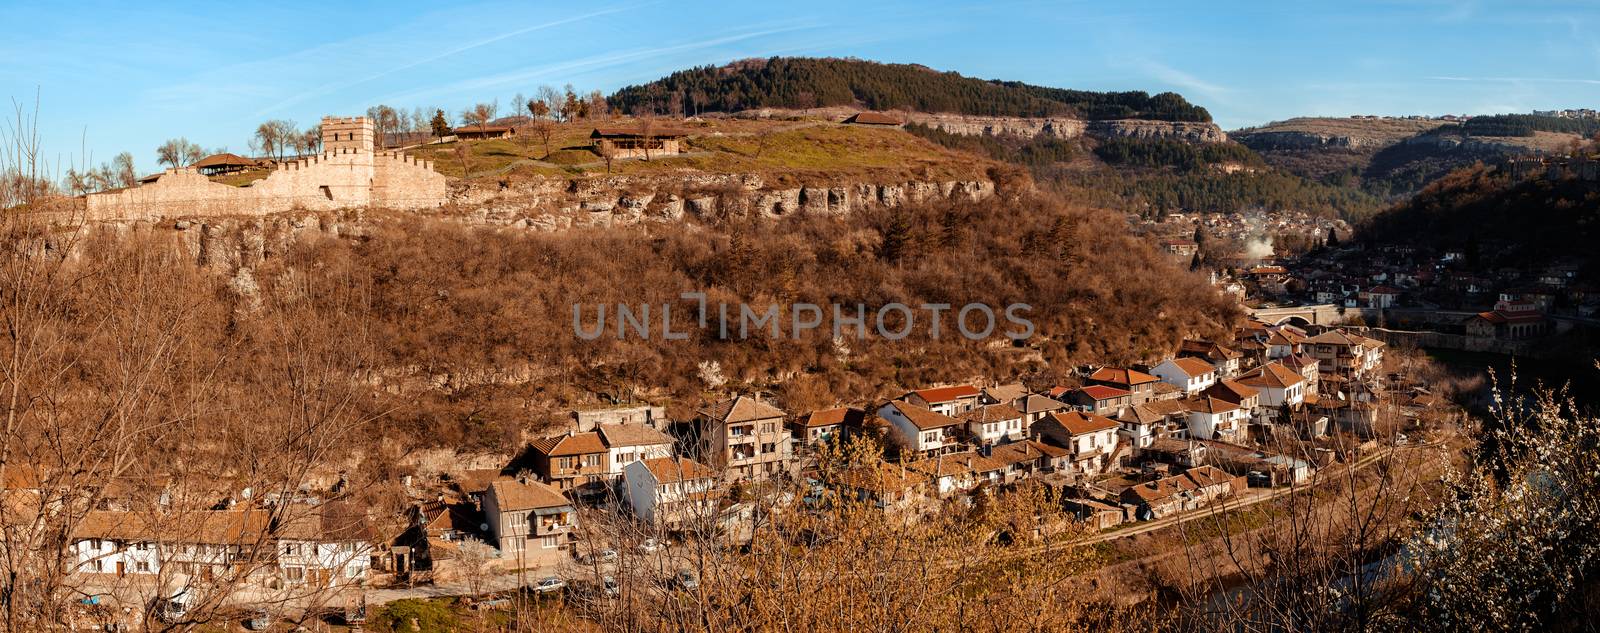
(347, 133)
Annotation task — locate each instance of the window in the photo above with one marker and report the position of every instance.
(550, 542)
(769, 447)
(352, 572)
(294, 573)
(94, 544)
(142, 566)
(143, 547)
(348, 548)
(97, 565)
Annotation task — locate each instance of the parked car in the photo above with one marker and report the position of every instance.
(549, 584)
(604, 556)
(686, 580)
(652, 545)
(609, 586)
(259, 621)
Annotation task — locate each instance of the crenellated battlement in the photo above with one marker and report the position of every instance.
(348, 173)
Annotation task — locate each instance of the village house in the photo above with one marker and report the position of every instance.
(1214, 419)
(884, 485)
(1035, 407)
(1189, 375)
(1247, 398)
(205, 545)
(1140, 385)
(925, 431)
(826, 425)
(1307, 366)
(531, 522)
(671, 490)
(1100, 399)
(745, 437)
(1380, 297)
(330, 545)
(951, 401)
(1225, 360)
(1142, 424)
(575, 461)
(1092, 439)
(652, 416)
(1283, 343)
(991, 424)
(1028, 457)
(1348, 356)
(1278, 385)
(1194, 488)
(637, 142)
(1004, 394)
(959, 472)
(1183, 249)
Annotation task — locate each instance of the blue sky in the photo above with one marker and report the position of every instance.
(126, 76)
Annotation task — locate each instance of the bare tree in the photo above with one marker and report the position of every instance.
(179, 152)
(385, 121)
(275, 136)
(477, 562)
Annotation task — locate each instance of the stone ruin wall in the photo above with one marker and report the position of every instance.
(348, 174)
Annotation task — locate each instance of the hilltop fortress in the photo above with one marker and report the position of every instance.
(348, 173)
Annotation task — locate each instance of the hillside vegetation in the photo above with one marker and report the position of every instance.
(781, 151)
(795, 82)
(1394, 158)
(1498, 221)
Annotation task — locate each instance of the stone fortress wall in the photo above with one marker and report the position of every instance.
(348, 173)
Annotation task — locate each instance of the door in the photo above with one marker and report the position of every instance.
(122, 568)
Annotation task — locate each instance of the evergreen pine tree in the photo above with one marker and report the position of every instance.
(1333, 238)
(440, 125)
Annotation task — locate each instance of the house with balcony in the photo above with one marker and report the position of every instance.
(925, 432)
(1278, 386)
(1215, 419)
(1344, 354)
(1142, 425)
(991, 424)
(744, 437)
(1141, 386)
(530, 522)
(825, 425)
(1100, 399)
(573, 461)
(952, 401)
(1090, 439)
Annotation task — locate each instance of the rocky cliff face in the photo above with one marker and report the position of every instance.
(237, 244)
(626, 200)
(1068, 128)
(1294, 139)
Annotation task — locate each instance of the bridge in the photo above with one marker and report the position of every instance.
(1320, 314)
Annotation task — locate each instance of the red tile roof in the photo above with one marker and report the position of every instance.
(1122, 376)
(940, 395)
(1080, 423)
(1102, 392)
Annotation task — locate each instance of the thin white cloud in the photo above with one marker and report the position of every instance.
(1188, 82)
(567, 68)
(341, 85)
(1548, 80)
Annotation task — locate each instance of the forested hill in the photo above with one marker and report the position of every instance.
(798, 82)
(1499, 221)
